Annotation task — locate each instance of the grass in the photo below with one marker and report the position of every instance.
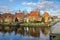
(57, 37)
(29, 23)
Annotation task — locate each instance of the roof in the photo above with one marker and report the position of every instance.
(20, 14)
(0, 16)
(7, 15)
(33, 13)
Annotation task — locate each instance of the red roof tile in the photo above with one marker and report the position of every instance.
(33, 13)
(20, 14)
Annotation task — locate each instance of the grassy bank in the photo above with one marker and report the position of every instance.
(57, 37)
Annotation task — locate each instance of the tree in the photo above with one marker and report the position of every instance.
(16, 20)
(43, 20)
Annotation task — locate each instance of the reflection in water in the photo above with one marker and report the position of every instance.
(13, 36)
(44, 37)
(23, 33)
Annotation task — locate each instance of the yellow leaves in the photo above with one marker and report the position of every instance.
(45, 14)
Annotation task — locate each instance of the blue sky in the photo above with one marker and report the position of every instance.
(52, 6)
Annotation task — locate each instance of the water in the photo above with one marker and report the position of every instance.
(26, 34)
(56, 28)
(13, 36)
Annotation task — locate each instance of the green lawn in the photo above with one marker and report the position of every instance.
(26, 24)
(57, 37)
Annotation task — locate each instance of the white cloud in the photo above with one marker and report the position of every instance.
(11, 0)
(4, 9)
(43, 5)
(24, 3)
(56, 13)
(29, 3)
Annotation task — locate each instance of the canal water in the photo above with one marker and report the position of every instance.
(25, 33)
(56, 28)
(13, 36)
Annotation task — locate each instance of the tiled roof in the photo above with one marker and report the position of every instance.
(20, 14)
(0, 16)
(7, 15)
(33, 13)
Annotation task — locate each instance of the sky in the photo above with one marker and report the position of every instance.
(51, 6)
